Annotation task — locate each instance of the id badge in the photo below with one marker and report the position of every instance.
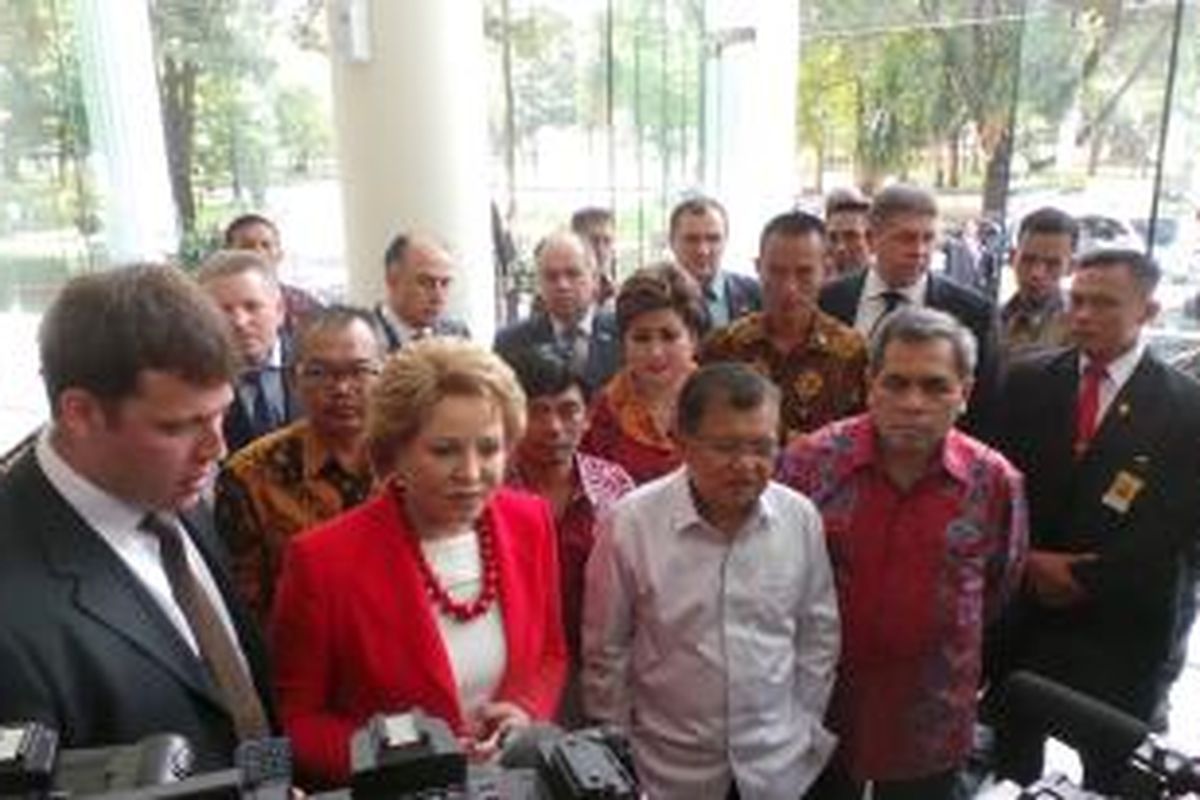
(1123, 491)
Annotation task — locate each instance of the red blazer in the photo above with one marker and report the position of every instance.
(354, 632)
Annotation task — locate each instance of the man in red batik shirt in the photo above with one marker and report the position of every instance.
(926, 529)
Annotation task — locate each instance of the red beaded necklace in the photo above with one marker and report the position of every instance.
(460, 610)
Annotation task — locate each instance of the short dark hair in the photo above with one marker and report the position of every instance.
(333, 318)
(918, 325)
(1145, 270)
(696, 205)
(662, 286)
(791, 223)
(104, 329)
(900, 199)
(586, 217)
(245, 221)
(846, 198)
(542, 370)
(731, 383)
(395, 251)
(1050, 221)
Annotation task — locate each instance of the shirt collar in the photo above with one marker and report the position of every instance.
(714, 292)
(584, 324)
(102, 511)
(579, 481)
(316, 456)
(955, 457)
(404, 331)
(1121, 367)
(1018, 304)
(874, 286)
(685, 517)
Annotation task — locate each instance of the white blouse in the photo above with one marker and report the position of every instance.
(476, 648)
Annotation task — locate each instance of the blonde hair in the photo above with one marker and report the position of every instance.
(422, 374)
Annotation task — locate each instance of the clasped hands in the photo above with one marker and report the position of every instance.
(1048, 576)
(487, 729)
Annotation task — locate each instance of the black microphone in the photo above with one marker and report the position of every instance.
(1086, 723)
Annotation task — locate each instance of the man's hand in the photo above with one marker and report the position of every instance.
(1048, 576)
(491, 725)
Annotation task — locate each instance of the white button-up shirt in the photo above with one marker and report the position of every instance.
(716, 652)
(872, 306)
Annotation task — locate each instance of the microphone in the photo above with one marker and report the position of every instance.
(1085, 723)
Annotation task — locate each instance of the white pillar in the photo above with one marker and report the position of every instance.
(125, 122)
(750, 108)
(410, 109)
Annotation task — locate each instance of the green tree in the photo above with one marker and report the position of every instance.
(206, 49)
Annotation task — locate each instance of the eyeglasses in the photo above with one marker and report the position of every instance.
(330, 375)
(764, 449)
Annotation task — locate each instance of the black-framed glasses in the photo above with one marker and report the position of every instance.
(730, 448)
(325, 374)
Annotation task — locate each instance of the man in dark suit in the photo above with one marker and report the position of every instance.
(698, 229)
(902, 233)
(570, 320)
(244, 287)
(119, 619)
(419, 273)
(1109, 439)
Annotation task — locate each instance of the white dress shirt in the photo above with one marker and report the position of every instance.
(583, 336)
(871, 305)
(118, 524)
(717, 652)
(404, 332)
(1117, 374)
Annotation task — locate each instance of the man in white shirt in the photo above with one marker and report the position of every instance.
(419, 273)
(570, 320)
(119, 618)
(710, 620)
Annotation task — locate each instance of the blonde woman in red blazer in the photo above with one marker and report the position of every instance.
(441, 592)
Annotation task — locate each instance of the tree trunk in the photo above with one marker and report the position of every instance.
(178, 91)
(995, 185)
(955, 155)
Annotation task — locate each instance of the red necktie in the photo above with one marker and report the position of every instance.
(1088, 405)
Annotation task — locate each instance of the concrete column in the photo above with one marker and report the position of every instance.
(750, 110)
(410, 110)
(125, 123)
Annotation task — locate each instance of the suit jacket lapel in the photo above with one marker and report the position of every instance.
(106, 590)
(1127, 416)
(600, 349)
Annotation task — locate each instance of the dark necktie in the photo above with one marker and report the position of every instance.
(891, 300)
(263, 418)
(1087, 410)
(217, 648)
(574, 348)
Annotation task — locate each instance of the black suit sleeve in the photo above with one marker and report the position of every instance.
(24, 695)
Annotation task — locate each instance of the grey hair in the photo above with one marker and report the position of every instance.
(917, 325)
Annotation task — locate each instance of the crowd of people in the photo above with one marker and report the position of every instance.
(789, 531)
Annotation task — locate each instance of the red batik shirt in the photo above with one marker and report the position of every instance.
(918, 573)
(598, 484)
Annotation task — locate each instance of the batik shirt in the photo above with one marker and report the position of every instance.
(274, 488)
(821, 380)
(598, 484)
(919, 573)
